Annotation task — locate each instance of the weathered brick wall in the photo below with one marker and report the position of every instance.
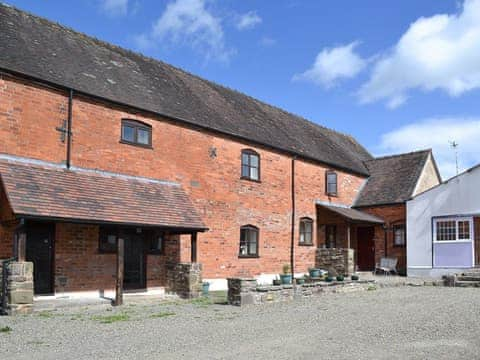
(393, 215)
(181, 154)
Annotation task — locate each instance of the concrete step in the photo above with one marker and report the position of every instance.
(467, 284)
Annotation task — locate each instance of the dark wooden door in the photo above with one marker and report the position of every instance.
(365, 248)
(39, 250)
(134, 263)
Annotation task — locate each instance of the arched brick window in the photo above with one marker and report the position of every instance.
(306, 231)
(250, 165)
(248, 241)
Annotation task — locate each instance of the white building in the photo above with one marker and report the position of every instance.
(443, 227)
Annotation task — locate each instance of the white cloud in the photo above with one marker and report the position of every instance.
(441, 52)
(248, 21)
(114, 7)
(333, 64)
(436, 133)
(188, 22)
(267, 41)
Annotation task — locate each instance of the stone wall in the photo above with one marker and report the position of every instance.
(337, 260)
(185, 279)
(19, 287)
(248, 292)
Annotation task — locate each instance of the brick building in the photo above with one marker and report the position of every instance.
(99, 144)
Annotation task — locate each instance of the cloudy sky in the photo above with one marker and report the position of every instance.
(397, 75)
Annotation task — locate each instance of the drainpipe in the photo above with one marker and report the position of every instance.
(292, 240)
(69, 128)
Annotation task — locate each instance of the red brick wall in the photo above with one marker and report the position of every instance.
(180, 154)
(393, 215)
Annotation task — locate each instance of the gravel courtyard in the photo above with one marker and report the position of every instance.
(390, 323)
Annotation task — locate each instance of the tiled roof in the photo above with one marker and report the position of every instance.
(43, 190)
(45, 50)
(352, 214)
(392, 178)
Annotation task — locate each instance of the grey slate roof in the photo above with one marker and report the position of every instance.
(352, 214)
(42, 49)
(392, 178)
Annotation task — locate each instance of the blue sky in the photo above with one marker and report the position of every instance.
(397, 75)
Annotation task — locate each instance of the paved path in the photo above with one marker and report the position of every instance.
(388, 323)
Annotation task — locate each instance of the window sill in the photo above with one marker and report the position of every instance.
(452, 241)
(305, 244)
(136, 144)
(249, 179)
(248, 256)
(331, 195)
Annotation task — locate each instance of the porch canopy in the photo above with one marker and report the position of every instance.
(351, 215)
(48, 191)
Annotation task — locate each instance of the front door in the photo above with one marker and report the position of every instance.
(134, 262)
(39, 250)
(476, 232)
(365, 248)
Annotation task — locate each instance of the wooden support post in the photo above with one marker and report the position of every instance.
(22, 245)
(194, 247)
(120, 264)
(348, 235)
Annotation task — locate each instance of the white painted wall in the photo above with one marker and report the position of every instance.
(457, 196)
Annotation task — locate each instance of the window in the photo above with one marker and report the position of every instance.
(331, 183)
(399, 235)
(156, 243)
(107, 240)
(453, 229)
(137, 133)
(306, 231)
(248, 241)
(331, 236)
(250, 165)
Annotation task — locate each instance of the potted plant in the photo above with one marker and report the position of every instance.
(314, 272)
(286, 277)
(340, 278)
(329, 279)
(277, 282)
(354, 277)
(300, 280)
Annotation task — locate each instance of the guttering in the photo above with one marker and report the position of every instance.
(292, 239)
(182, 121)
(172, 229)
(69, 128)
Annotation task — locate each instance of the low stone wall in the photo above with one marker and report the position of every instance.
(19, 294)
(336, 260)
(248, 292)
(185, 279)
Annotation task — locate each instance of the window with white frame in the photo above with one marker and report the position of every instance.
(453, 229)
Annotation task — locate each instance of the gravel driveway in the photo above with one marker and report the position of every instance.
(390, 323)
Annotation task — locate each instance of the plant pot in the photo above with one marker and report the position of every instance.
(286, 279)
(300, 281)
(277, 282)
(329, 279)
(205, 287)
(354, 277)
(314, 273)
(340, 278)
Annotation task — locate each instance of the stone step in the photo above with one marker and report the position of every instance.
(467, 284)
(468, 278)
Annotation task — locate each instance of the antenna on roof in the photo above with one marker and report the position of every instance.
(454, 146)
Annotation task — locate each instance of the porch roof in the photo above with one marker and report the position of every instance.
(36, 189)
(351, 214)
